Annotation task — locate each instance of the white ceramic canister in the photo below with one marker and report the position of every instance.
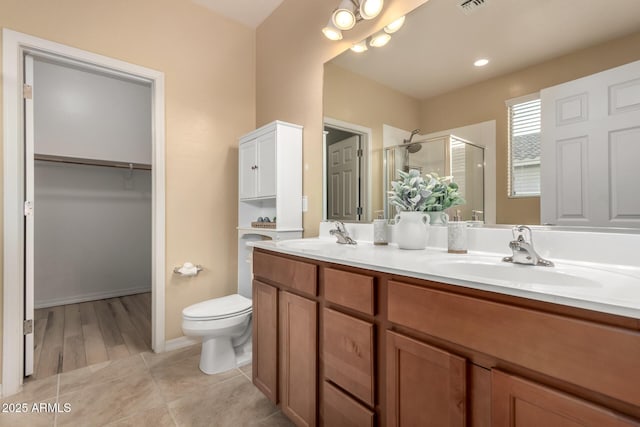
(380, 232)
(457, 237)
(411, 230)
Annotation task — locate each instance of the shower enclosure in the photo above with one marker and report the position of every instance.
(447, 156)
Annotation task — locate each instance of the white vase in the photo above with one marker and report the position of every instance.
(411, 230)
(438, 217)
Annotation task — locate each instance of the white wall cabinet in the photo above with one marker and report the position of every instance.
(258, 167)
(269, 185)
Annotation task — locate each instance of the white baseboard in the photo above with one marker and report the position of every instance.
(91, 297)
(181, 342)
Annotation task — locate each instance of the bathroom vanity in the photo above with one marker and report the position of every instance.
(347, 340)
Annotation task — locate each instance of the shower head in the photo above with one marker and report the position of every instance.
(414, 148)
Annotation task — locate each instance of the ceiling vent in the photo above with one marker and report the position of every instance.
(470, 6)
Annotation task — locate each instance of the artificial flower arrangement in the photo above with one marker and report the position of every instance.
(432, 193)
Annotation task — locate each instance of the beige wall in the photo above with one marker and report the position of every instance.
(352, 98)
(485, 101)
(209, 66)
(290, 53)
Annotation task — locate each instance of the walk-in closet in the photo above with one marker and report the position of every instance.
(88, 240)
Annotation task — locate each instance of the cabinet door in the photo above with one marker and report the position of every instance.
(267, 165)
(265, 339)
(298, 353)
(516, 402)
(426, 386)
(248, 160)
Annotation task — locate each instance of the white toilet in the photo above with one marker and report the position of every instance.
(225, 327)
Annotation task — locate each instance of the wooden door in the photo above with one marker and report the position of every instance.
(343, 188)
(247, 170)
(265, 339)
(298, 354)
(516, 402)
(590, 133)
(266, 165)
(426, 386)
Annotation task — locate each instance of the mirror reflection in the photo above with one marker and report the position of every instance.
(556, 70)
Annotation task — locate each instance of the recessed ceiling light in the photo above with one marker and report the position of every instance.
(481, 62)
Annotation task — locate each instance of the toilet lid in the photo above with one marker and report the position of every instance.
(218, 308)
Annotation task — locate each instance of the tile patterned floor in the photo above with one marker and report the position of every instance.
(147, 389)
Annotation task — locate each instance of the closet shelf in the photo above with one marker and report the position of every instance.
(91, 162)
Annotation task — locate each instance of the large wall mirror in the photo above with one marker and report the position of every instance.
(554, 114)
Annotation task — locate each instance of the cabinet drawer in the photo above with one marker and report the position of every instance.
(576, 351)
(287, 272)
(341, 410)
(348, 354)
(349, 290)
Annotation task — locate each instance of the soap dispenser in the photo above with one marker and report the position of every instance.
(457, 235)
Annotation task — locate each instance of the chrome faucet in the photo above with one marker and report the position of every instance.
(342, 234)
(523, 251)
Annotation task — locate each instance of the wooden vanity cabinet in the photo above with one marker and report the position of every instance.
(397, 351)
(298, 354)
(265, 339)
(285, 324)
(517, 402)
(426, 386)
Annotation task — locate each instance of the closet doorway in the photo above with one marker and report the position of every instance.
(88, 234)
(88, 265)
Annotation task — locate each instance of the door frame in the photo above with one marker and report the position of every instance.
(366, 141)
(14, 46)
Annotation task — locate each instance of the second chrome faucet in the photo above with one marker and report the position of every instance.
(523, 251)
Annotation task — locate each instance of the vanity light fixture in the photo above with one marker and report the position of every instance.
(379, 39)
(481, 62)
(394, 26)
(360, 47)
(348, 13)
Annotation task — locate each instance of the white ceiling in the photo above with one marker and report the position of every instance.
(434, 52)
(248, 12)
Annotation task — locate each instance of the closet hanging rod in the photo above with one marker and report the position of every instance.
(91, 162)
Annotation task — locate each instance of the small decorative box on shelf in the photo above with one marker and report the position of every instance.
(270, 225)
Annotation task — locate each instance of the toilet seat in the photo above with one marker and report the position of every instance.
(218, 308)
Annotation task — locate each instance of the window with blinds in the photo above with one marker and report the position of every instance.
(524, 146)
(458, 165)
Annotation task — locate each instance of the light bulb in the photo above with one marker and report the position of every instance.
(379, 39)
(359, 47)
(343, 17)
(369, 9)
(331, 32)
(481, 62)
(394, 26)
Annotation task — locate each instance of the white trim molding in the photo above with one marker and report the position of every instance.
(181, 342)
(14, 46)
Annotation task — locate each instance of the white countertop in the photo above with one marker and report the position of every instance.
(594, 286)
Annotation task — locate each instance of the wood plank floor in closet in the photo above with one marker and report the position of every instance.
(69, 337)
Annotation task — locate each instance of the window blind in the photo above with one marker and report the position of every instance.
(524, 148)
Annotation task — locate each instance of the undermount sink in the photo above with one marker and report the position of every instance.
(527, 276)
(308, 244)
